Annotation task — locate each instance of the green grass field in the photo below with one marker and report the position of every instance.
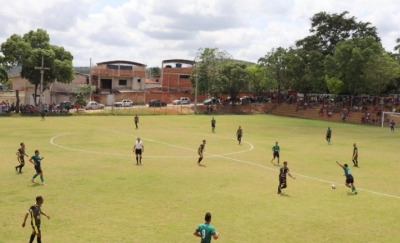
(96, 193)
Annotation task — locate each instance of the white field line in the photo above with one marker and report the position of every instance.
(254, 164)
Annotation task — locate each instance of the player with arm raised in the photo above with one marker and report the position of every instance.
(349, 177)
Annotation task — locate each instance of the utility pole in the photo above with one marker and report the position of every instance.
(195, 91)
(42, 68)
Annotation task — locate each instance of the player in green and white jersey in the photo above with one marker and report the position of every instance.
(206, 231)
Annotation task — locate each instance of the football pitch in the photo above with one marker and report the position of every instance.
(97, 193)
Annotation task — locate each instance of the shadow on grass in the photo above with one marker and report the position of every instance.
(351, 194)
(35, 185)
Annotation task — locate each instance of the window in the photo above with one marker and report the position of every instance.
(122, 82)
(184, 76)
(138, 80)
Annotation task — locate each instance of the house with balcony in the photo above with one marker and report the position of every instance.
(118, 79)
(175, 74)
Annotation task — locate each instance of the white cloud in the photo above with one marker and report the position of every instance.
(150, 31)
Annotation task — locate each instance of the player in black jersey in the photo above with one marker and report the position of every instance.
(239, 134)
(35, 211)
(200, 151)
(282, 177)
(21, 153)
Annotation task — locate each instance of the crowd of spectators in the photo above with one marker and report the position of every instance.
(6, 107)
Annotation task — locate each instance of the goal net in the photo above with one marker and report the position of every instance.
(388, 117)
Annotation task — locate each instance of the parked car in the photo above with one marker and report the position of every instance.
(210, 101)
(65, 105)
(247, 99)
(181, 100)
(157, 103)
(123, 103)
(262, 99)
(93, 105)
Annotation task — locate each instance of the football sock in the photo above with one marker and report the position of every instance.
(41, 178)
(34, 176)
(32, 238)
(200, 159)
(137, 161)
(140, 160)
(39, 240)
(20, 167)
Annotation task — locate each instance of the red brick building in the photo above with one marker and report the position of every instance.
(175, 74)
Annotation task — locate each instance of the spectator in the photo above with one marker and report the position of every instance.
(343, 117)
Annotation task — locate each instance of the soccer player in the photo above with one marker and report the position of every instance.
(200, 152)
(392, 124)
(138, 149)
(35, 211)
(136, 120)
(205, 231)
(349, 177)
(213, 124)
(239, 134)
(282, 177)
(275, 150)
(328, 135)
(36, 161)
(42, 112)
(21, 153)
(355, 155)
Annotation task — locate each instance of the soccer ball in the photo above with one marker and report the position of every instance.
(333, 186)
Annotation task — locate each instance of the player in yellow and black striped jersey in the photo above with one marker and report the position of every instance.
(200, 151)
(35, 211)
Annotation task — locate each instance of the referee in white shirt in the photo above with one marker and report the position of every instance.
(138, 149)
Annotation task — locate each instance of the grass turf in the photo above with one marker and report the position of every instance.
(96, 193)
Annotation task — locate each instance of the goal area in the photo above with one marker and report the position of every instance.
(388, 117)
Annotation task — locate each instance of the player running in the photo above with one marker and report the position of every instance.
(136, 119)
(213, 124)
(282, 177)
(275, 150)
(328, 135)
(21, 153)
(392, 125)
(200, 152)
(35, 211)
(205, 231)
(349, 177)
(239, 134)
(138, 149)
(355, 155)
(36, 161)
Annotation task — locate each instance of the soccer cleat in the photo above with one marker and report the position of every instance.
(44, 184)
(355, 192)
(32, 180)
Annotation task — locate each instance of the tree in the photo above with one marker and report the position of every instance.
(80, 99)
(84, 89)
(353, 65)
(233, 78)
(206, 70)
(153, 71)
(329, 29)
(28, 50)
(275, 62)
(259, 82)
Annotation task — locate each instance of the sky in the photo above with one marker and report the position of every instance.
(154, 30)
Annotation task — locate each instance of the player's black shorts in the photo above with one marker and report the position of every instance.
(138, 151)
(213, 125)
(21, 159)
(239, 137)
(36, 228)
(276, 154)
(38, 169)
(282, 180)
(349, 179)
(328, 136)
(355, 157)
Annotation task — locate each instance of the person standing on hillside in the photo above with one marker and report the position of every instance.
(349, 177)
(136, 119)
(239, 134)
(213, 124)
(35, 211)
(355, 155)
(138, 148)
(328, 135)
(205, 231)
(275, 150)
(21, 153)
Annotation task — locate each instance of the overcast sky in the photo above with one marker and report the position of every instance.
(150, 31)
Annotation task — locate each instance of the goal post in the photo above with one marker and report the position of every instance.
(388, 117)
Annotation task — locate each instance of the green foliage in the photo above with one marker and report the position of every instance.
(85, 89)
(334, 84)
(80, 99)
(153, 71)
(259, 81)
(233, 78)
(28, 50)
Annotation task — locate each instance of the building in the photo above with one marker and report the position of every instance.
(119, 79)
(175, 74)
